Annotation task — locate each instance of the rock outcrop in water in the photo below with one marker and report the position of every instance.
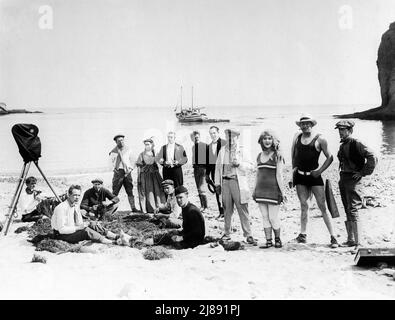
(386, 76)
(4, 110)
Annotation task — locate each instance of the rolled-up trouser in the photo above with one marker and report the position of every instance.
(349, 192)
(231, 198)
(270, 215)
(94, 232)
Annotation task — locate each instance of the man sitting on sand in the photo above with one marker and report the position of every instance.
(98, 201)
(168, 213)
(29, 200)
(193, 229)
(68, 225)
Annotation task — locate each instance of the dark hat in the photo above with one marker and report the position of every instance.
(167, 182)
(118, 136)
(97, 180)
(345, 124)
(180, 189)
(150, 140)
(232, 132)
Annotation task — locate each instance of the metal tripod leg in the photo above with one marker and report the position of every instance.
(14, 202)
(46, 180)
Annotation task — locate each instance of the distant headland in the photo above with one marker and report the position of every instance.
(4, 110)
(386, 75)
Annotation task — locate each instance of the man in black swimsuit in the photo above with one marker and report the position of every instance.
(306, 150)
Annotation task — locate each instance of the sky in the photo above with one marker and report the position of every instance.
(124, 53)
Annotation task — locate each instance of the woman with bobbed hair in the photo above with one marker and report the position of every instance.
(269, 190)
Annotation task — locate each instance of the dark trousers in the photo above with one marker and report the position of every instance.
(121, 179)
(349, 192)
(165, 239)
(95, 232)
(199, 172)
(212, 176)
(31, 217)
(174, 174)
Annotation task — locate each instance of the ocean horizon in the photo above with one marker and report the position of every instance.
(78, 140)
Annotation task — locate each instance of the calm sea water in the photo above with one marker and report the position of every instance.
(79, 140)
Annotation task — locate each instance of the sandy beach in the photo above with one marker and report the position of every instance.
(296, 271)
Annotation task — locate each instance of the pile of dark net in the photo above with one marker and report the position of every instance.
(139, 226)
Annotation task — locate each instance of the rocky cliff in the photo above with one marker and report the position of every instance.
(386, 75)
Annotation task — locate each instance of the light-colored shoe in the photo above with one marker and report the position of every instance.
(124, 238)
(149, 241)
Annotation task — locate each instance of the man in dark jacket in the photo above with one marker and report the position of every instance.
(213, 150)
(99, 201)
(355, 161)
(193, 229)
(172, 157)
(199, 163)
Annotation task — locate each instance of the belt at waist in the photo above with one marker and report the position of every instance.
(304, 173)
(229, 178)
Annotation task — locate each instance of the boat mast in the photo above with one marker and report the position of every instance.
(181, 97)
(192, 97)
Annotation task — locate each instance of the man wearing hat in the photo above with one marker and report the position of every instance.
(355, 161)
(306, 150)
(121, 161)
(199, 163)
(172, 157)
(169, 212)
(231, 182)
(98, 201)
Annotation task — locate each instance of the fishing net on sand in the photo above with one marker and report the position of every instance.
(139, 227)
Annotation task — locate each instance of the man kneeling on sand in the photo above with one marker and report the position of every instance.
(167, 214)
(68, 225)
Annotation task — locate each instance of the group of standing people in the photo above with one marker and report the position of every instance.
(224, 165)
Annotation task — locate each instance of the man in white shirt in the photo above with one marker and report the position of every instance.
(168, 214)
(28, 201)
(121, 160)
(68, 225)
(172, 156)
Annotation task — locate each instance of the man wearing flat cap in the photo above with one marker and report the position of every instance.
(169, 212)
(121, 162)
(199, 163)
(231, 171)
(99, 201)
(306, 150)
(355, 161)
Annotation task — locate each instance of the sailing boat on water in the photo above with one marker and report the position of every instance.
(191, 114)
